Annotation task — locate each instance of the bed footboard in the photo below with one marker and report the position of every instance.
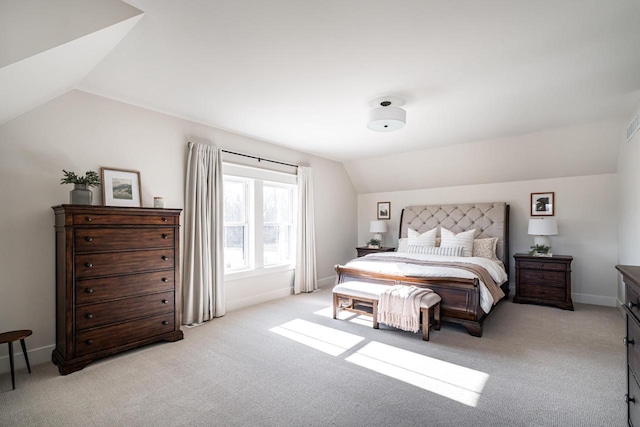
(460, 297)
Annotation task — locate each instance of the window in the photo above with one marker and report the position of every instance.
(236, 224)
(259, 218)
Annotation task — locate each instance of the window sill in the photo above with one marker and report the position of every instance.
(244, 274)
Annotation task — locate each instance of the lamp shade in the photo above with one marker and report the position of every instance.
(543, 227)
(387, 119)
(378, 227)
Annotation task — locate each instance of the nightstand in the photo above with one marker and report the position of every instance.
(365, 250)
(544, 280)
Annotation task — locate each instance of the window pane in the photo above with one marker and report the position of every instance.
(235, 255)
(235, 223)
(278, 224)
(277, 244)
(235, 201)
(277, 203)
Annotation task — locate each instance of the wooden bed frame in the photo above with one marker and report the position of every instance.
(460, 297)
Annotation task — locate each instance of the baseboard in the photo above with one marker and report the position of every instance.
(326, 282)
(595, 300)
(259, 298)
(37, 356)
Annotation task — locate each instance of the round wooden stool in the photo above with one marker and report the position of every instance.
(10, 337)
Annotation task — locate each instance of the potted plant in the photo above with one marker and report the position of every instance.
(81, 193)
(540, 250)
(374, 244)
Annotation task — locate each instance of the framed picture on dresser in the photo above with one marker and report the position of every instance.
(543, 204)
(121, 187)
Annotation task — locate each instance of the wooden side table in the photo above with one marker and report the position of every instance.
(365, 250)
(10, 337)
(544, 280)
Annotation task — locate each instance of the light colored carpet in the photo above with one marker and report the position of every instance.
(534, 366)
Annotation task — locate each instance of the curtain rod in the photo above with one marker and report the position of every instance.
(259, 158)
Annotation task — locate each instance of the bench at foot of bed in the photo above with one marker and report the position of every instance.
(352, 295)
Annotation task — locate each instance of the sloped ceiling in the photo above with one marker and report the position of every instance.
(47, 48)
(304, 74)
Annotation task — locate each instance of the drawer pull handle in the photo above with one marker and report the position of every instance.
(165, 322)
(89, 342)
(164, 279)
(629, 399)
(627, 341)
(165, 236)
(88, 264)
(164, 257)
(164, 219)
(631, 304)
(89, 239)
(89, 219)
(88, 290)
(164, 301)
(89, 316)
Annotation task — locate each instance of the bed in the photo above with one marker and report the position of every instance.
(463, 295)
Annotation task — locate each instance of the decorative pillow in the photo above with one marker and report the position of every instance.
(402, 245)
(485, 248)
(464, 239)
(432, 250)
(428, 238)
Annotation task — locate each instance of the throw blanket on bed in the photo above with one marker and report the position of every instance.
(399, 306)
(480, 272)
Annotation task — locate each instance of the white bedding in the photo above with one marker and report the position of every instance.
(399, 268)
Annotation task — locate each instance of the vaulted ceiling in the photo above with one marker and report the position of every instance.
(304, 74)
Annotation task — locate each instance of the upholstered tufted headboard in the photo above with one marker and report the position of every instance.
(489, 220)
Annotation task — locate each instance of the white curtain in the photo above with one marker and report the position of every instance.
(305, 274)
(203, 272)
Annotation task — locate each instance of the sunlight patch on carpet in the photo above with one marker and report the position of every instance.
(322, 338)
(449, 380)
(360, 319)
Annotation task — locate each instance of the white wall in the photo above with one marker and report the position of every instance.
(586, 149)
(79, 132)
(586, 211)
(629, 200)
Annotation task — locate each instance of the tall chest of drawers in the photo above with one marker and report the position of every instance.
(631, 277)
(117, 281)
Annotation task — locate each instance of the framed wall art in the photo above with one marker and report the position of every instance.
(543, 204)
(121, 187)
(384, 210)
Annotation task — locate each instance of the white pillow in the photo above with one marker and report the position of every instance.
(432, 250)
(464, 239)
(402, 245)
(428, 238)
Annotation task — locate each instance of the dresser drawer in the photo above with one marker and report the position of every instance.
(634, 393)
(632, 300)
(94, 315)
(113, 239)
(97, 219)
(542, 292)
(97, 290)
(542, 277)
(99, 339)
(633, 345)
(542, 265)
(111, 263)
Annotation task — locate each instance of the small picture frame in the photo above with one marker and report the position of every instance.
(384, 210)
(543, 204)
(121, 187)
